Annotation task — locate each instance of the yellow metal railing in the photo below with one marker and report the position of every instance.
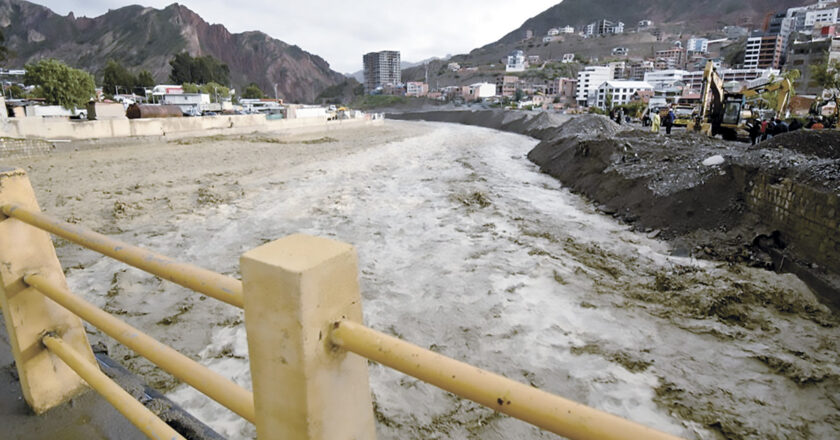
(302, 316)
(210, 283)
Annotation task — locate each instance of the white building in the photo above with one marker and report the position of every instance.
(619, 92)
(567, 30)
(694, 79)
(516, 62)
(826, 16)
(697, 45)
(190, 103)
(482, 90)
(568, 58)
(589, 79)
(553, 32)
(752, 52)
(645, 24)
(663, 79)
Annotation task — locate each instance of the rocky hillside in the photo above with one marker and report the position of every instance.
(147, 38)
(694, 15)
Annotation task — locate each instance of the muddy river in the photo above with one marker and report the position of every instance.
(464, 248)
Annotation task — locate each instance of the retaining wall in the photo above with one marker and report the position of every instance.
(65, 129)
(808, 219)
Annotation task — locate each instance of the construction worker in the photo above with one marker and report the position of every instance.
(654, 126)
(669, 119)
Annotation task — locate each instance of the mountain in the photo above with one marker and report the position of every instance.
(692, 15)
(147, 38)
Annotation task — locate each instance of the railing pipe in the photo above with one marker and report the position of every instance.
(140, 416)
(221, 287)
(218, 388)
(547, 411)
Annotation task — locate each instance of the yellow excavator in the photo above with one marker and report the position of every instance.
(727, 113)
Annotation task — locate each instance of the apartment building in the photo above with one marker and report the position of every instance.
(663, 79)
(802, 55)
(763, 51)
(381, 69)
(697, 45)
(619, 92)
(516, 62)
(589, 79)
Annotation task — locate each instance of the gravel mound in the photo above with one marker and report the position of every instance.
(589, 127)
(821, 143)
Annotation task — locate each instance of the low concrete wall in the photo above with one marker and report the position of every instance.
(38, 128)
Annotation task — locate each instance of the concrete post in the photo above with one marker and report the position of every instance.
(295, 289)
(45, 379)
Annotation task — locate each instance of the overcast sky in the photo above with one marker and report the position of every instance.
(342, 31)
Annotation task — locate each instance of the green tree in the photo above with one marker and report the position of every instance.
(190, 88)
(17, 91)
(253, 91)
(116, 78)
(199, 70)
(216, 91)
(826, 75)
(145, 79)
(60, 84)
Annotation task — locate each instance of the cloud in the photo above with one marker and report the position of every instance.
(341, 32)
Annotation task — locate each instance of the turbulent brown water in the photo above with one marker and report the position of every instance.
(465, 248)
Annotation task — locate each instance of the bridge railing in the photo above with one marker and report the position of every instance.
(307, 345)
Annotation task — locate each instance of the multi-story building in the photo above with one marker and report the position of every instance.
(507, 85)
(568, 58)
(619, 92)
(638, 70)
(563, 89)
(619, 69)
(779, 24)
(416, 88)
(516, 62)
(644, 24)
(567, 30)
(604, 27)
(697, 45)
(663, 79)
(694, 80)
(802, 55)
(824, 16)
(381, 69)
(763, 51)
(589, 79)
(672, 58)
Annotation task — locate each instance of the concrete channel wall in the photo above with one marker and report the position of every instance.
(806, 217)
(46, 128)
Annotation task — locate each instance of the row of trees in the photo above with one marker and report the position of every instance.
(116, 79)
(59, 84)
